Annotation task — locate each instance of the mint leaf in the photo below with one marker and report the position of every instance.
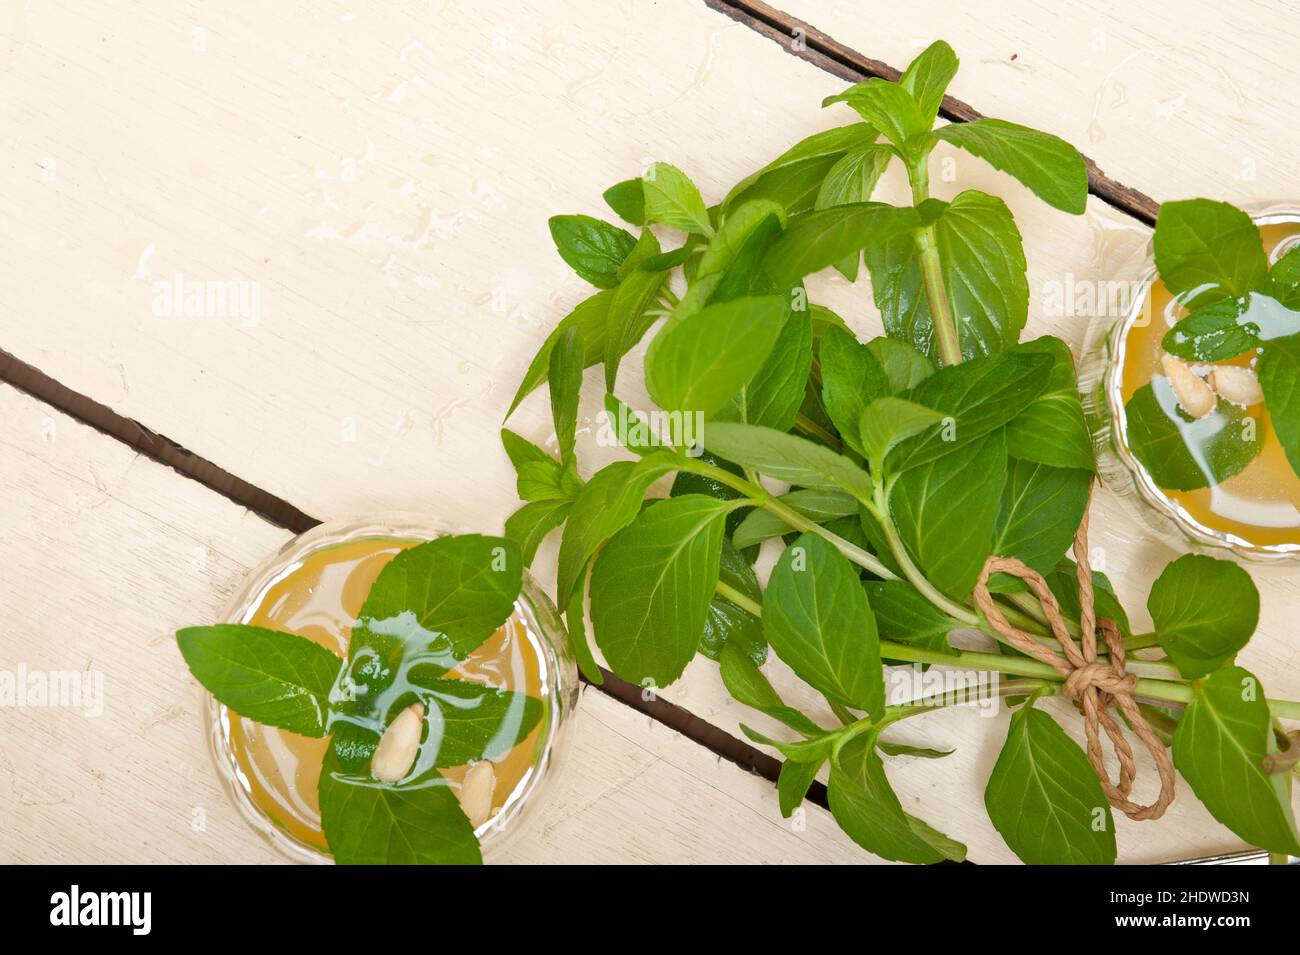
(469, 721)
(576, 620)
(793, 783)
(867, 809)
(888, 421)
(651, 587)
(1042, 507)
(1212, 333)
(606, 504)
(628, 318)
(529, 525)
(1044, 798)
(1049, 166)
(817, 619)
(903, 615)
(697, 363)
(886, 106)
(1204, 611)
(794, 178)
(816, 504)
(903, 365)
(853, 177)
(1052, 430)
(278, 679)
(645, 255)
(565, 374)
(928, 76)
(786, 457)
(747, 684)
(1162, 439)
(1200, 243)
(540, 476)
(590, 317)
(983, 265)
(945, 518)
(371, 823)
(1284, 279)
(773, 396)
(672, 200)
(851, 379)
(1220, 747)
(739, 225)
(727, 624)
(1279, 377)
(816, 240)
(592, 248)
(627, 199)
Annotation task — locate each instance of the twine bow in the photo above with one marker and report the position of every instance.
(1096, 687)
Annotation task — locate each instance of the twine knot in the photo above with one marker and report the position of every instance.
(1096, 686)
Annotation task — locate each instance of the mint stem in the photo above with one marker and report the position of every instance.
(936, 293)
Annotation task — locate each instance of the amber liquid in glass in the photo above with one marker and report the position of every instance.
(1261, 504)
(319, 598)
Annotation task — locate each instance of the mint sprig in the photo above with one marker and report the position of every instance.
(430, 607)
(910, 459)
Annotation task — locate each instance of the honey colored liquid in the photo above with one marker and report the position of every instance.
(319, 599)
(1261, 504)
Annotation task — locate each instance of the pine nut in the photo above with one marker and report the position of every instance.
(476, 792)
(1193, 394)
(1239, 385)
(398, 746)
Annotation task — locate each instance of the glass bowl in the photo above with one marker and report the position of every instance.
(1128, 260)
(540, 624)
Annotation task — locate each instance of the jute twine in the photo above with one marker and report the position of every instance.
(1095, 687)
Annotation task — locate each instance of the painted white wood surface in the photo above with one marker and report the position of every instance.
(107, 552)
(384, 180)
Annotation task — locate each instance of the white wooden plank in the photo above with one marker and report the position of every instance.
(388, 192)
(1176, 100)
(106, 553)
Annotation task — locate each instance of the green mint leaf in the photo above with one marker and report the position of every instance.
(816, 240)
(1160, 437)
(852, 377)
(576, 620)
(979, 396)
(539, 476)
(627, 199)
(1209, 246)
(817, 504)
(854, 176)
(567, 364)
(727, 624)
(1279, 378)
(1041, 510)
(590, 317)
(1284, 279)
(696, 364)
(606, 504)
(1212, 333)
(793, 783)
(1204, 611)
(903, 615)
(1051, 168)
(737, 228)
(440, 599)
(688, 482)
(651, 587)
(629, 317)
(1052, 430)
(645, 252)
(903, 365)
(1220, 747)
(773, 396)
(672, 200)
(983, 268)
(747, 684)
(794, 178)
(279, 679)
(945, 518)
(867, 809)
(920, 752)
(928, 76)
(592, 248)
(786, 457)
(817, 619)
(529, 525)
(888, 421)
(468, 721)
(886, 106)
(1044, 798)
(630, 429)
(370, 823)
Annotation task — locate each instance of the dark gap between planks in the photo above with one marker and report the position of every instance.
(32, 381)
(827, 53)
